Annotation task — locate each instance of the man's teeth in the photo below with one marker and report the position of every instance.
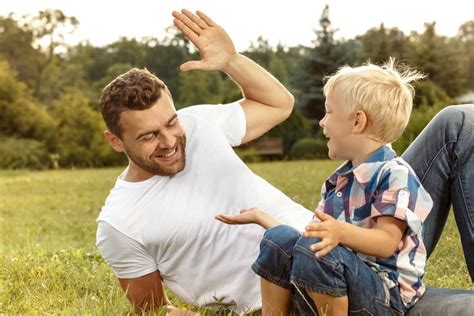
(171, 153)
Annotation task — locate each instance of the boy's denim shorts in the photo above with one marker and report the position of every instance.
(286, 260)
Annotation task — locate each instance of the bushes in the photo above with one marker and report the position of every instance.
(309, 148)
(19, 153)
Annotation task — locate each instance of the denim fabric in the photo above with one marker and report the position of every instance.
(443, 158)
(286, 260)
(443, 302)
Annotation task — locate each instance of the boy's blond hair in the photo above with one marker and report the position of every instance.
(384, 93)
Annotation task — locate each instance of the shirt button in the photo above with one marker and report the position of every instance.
(339, 194)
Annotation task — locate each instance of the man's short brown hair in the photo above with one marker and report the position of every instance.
(135, 90)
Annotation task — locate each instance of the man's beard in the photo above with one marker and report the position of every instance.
(161, 169)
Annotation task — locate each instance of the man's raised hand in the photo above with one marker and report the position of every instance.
(212, 41)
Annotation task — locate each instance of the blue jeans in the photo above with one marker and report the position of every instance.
(443, 158)
(286, 260)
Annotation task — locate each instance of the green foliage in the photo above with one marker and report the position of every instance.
(378, 44)
(49, 262)
(38, 67)
(322, 60)
(420, 117)
(199, 87)
(20, 116)
(292, 129)
(16, 48)
(428, 93)
(432, 55)
(309, 148)
(79, 132)
(20, 153)
(248, 155)
(466, 37)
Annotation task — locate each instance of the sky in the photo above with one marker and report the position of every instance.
(290, 22)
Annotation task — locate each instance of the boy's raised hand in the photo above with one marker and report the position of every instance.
(328, 230)
(212, 41)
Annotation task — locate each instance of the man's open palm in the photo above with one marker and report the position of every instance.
(214, 45)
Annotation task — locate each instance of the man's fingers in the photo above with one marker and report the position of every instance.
(205, 18)
(192, 65)
(193, 37)
(224, 219)
(197, 20)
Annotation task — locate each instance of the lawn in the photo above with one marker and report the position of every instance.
(49, 263)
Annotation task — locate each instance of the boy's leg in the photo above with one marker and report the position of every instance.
(342, 274)
(330, 305)
(273, 265)
(276, 300)
(443, 158)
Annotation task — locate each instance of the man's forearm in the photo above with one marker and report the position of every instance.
(258, 84)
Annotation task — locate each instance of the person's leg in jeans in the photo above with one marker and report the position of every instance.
(274, 265)
(443, 158)
(354, 287)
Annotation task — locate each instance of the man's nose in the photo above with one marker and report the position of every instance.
(167, 140)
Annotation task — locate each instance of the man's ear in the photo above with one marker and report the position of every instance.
(360, 122)
(114, 141)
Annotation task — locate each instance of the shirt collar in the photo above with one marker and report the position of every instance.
(365, 171)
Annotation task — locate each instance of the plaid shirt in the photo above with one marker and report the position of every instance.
(384, 186)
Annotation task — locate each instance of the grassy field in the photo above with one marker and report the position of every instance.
(49, 263)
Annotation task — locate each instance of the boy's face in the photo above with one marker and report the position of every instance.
(337, 126)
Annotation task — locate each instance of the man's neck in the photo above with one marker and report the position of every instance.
(135, 174)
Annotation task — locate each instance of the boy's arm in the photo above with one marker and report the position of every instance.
(250, 216)
(380, 241)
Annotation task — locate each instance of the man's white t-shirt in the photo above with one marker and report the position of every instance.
(167, 223)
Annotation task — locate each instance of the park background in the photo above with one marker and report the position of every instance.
(57, 168)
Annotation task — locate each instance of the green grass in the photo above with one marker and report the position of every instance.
(49, 263)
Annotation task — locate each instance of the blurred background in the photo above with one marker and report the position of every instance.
(54, 62)
(56, 169)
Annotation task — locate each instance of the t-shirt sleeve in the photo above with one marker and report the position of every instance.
(230, 118)
(126, 256)
(401, 195)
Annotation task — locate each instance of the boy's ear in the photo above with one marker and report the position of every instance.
(114, 141)
(360, 122)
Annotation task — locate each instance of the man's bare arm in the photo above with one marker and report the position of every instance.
(146, 294)
(266, 101)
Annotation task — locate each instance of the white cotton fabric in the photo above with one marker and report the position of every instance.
(167, 223)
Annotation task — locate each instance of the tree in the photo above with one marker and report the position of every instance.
(378, 44)
(48, 29)
(324, 59)
(466, 37)
(79, 132)
(20, 116)
(441, 58)
(16, 47)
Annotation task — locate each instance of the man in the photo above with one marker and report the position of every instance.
(157, 225)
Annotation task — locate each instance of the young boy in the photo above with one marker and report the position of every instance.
(364, 252)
